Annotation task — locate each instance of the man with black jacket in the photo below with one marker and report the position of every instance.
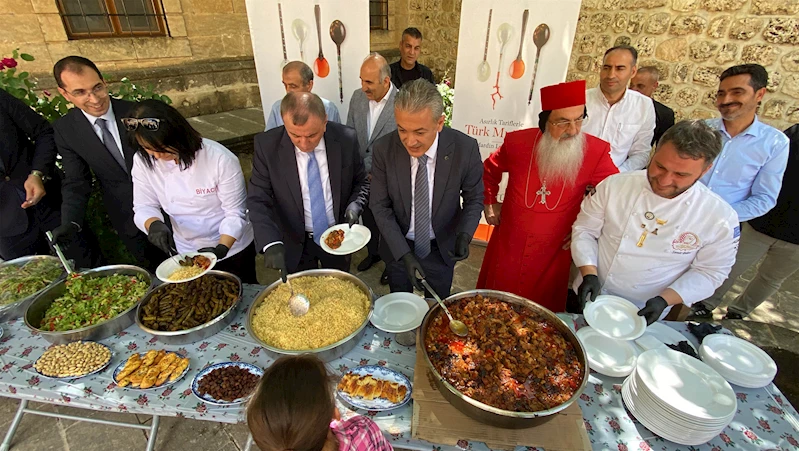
(92, 139)
(407, 68)
(775, 235)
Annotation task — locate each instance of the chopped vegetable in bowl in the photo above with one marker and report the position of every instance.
(92, 300)
(19, 282)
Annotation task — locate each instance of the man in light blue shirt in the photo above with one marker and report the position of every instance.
(298, 77)
(748, 172)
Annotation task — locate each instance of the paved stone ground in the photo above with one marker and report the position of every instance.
(774, 325)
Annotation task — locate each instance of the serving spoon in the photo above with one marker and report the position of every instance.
(321, 66)
(338, 32)
(540, 38)
(298, 303)
(457, 327)
(484, 69)
(300, 30)
(517, 66)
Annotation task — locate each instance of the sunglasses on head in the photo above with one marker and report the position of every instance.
(149, 123)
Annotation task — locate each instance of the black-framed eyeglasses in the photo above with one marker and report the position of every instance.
(149, 123)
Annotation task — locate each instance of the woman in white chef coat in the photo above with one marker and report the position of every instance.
(656, 237)
(197, 182)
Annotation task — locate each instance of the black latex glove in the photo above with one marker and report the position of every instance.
(65, 234)
(702, 330)
(352, 214)
(275, 258)
(220, 250)
(461, 250)
(161, 237)
(588, 290)
(412, 265)
(653, 309)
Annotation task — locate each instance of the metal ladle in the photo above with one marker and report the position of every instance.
(457, 327)
(58, 252)
(298, 303)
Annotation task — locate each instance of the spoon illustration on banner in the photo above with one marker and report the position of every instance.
(517, 66)
(484, 69)
(338, 32)
(300, 30)
(282, 36)
(504, 34)
(320, 66)
(540, 38)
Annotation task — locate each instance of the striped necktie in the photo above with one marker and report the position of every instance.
(421, 202)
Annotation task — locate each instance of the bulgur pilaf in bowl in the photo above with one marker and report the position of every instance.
(340, 308)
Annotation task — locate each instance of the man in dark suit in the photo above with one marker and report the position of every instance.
(645, 82)
(419, 174)
(307, 175)
(371, 114)
(91, 139)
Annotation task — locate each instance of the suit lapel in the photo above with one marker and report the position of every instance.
(383, 118)
(444, 159)
(403, 165)
(84, 128)
(288, 164)
(333, 150)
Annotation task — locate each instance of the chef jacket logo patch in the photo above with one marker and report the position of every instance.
(686, 243)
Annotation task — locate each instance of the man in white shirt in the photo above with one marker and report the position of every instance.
(621, 116)
(657, 237)
(298, 77)
(307, 176)
(419, 175)
(371, 113)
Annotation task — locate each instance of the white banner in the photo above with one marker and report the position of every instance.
(283, 31)
(508, 50)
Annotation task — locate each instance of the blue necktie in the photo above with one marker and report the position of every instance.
(318, 210)
(421, 202)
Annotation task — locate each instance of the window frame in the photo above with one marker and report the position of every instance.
(382, 17)
(116, 19)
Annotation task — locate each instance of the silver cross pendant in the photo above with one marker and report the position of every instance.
(543, 192)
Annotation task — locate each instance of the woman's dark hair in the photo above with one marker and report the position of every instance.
(174, 135)
(293, 406)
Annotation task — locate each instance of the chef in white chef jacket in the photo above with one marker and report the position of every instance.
(656, 237)
(197, 182)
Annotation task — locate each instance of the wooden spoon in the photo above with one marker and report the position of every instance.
(321, 66)
(338, 32)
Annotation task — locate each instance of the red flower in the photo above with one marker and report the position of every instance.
(132, 346)
(778, 399)
(622, 446)
(644, 446)
(725, 438)
(599, 389)
(204, 345)
(584, 397)
(750, 435)
(792, 440)
(764, 424)
(234, 357)
(9, 62)
(463, 444)
(255, 351)
(364, 361)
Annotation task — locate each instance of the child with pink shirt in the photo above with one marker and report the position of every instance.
(294, 410)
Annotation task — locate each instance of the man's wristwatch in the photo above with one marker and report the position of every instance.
(40, 174)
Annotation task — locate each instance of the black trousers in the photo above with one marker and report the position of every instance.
(146, 255)
(241, 264)
(314, 257)
(370, 223)
(437, 273)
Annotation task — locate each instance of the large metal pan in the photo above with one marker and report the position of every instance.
(195, 334)
(17, 309)
(492, 415)
(328, 353)
(37, 308)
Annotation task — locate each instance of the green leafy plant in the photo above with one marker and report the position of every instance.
(448, 94)
(24, 87)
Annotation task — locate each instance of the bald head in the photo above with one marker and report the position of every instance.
(375, 77)
(297, 77)
(304, 118)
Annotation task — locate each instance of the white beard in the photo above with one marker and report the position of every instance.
(559, 160)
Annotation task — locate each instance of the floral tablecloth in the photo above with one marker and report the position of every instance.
(764, 420)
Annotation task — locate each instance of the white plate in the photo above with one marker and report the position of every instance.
(355, 239)
(608, 356)
(170, 265)
(666, 335)
(743, 362)
(217, 402)
(399, 312)
(69, 378)
(615, 317)
(378, 404)
(686, 384)
(121, 366)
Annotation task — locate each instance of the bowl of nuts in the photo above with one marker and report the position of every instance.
(228, 383)
(73, 360)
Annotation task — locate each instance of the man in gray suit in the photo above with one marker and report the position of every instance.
(419, 174)
(371, 114)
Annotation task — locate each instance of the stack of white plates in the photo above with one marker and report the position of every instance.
(678, 397)
(738, 361)
(608, 356)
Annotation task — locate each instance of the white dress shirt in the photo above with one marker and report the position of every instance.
(203, 201)
(110, 122)
(303, 159)
(375, 108)
(628, 125)
(692, 253)
(431, 173)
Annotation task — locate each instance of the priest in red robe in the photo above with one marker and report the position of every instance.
(549, 168)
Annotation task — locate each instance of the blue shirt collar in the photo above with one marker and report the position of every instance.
(753, 130)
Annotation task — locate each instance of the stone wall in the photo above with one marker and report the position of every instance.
(692, 42)
(205, 65)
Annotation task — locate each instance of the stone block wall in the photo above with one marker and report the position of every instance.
(692, 42)
(205, 65)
